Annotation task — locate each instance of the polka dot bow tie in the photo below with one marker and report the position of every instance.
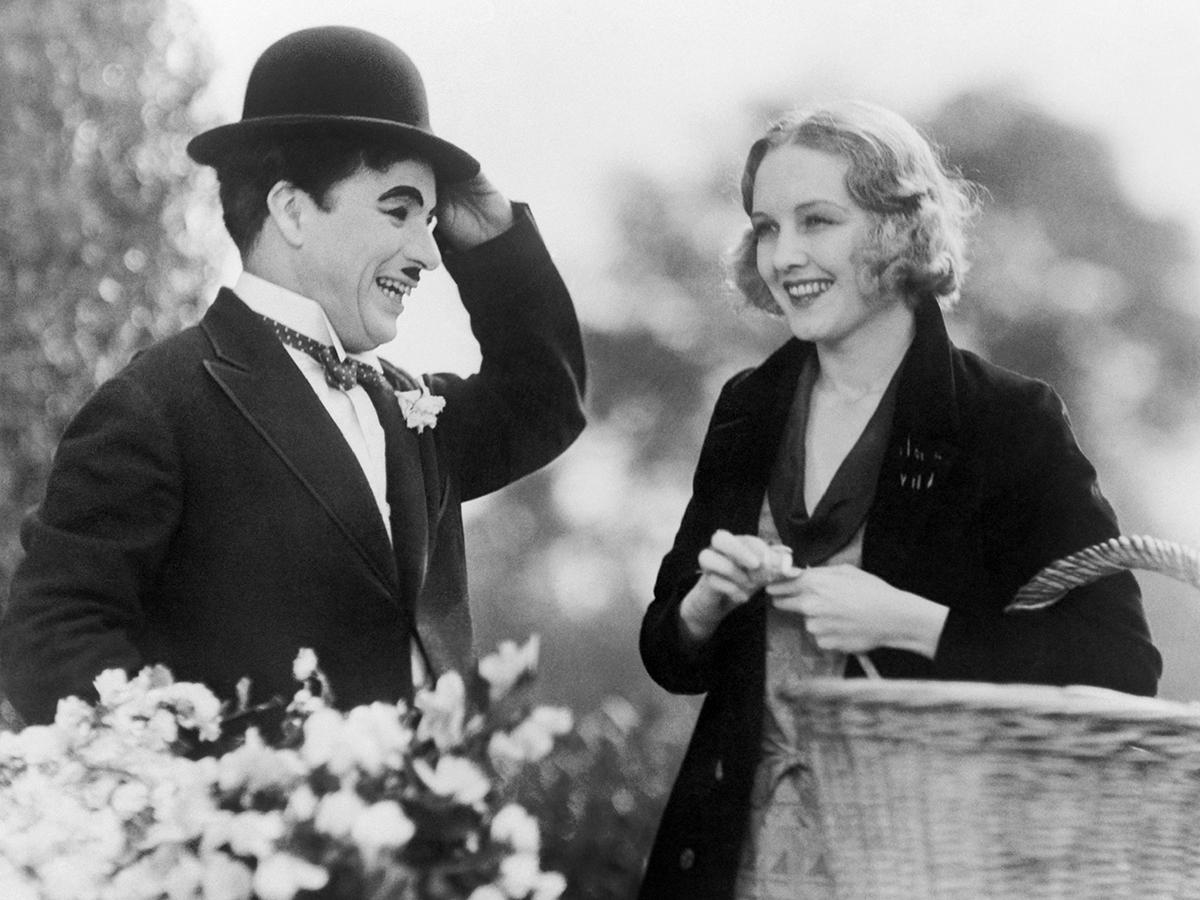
(339, 373)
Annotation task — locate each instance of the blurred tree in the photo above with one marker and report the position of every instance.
(1073, 283)
(96, 254)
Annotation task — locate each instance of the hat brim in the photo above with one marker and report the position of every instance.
(449, 162)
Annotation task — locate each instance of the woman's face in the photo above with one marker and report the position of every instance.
(810, 234)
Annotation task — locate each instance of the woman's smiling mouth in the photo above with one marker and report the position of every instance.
(807, 290)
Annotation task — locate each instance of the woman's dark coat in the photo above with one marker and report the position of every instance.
(982, 485)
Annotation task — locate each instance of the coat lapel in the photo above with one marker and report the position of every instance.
(922, 449)
(410, 496)
(254, 370)
(745, 435)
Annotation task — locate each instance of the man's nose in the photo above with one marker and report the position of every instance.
(424, 251)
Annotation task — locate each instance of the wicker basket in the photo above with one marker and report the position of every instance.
(966, 790)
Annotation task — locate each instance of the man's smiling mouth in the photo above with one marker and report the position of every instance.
(397, 290)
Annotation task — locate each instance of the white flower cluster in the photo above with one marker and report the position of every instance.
(420, 407)
(102, 806)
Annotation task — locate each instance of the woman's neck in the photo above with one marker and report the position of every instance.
(863, 363)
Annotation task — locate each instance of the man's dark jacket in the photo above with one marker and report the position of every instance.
(204, 511)
(983, 484)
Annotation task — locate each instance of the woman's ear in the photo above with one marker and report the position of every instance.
(286, 210)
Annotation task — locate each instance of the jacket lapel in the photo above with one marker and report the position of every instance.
(922, 449)
(745, 434)
(254, 370)
(410, 496)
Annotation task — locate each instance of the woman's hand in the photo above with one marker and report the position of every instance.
(733, 568)
(853, 611)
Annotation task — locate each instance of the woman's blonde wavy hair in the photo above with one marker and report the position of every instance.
(921, 208)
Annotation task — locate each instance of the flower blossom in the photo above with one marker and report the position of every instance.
(253, 833)
(195, 706)
(454, 777)
(305, 665)
(337, 813)
(382, 826)
(225, 878)
(514, 826)
(420, 408)
(255, 767)
(519, 874)
(369, 738)
(504, 668)
(282, 876)
(443, 711)
(531, 740)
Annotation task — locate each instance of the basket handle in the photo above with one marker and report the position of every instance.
(1052, 583)
(868, 667)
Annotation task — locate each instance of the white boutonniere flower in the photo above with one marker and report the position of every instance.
(420, 408)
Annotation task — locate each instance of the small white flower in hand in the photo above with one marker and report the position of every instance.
(420, 408)
(777, 561)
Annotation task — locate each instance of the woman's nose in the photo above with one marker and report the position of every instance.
(791, 251)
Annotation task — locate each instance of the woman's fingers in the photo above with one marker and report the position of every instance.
(730, 589)
(745, 550)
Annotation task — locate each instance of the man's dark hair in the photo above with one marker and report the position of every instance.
(312, 161)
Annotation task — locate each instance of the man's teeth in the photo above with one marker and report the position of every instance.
(807, 289)
(397, 290)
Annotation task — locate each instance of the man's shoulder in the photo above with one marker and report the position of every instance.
(170, 358)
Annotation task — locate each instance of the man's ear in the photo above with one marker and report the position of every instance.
(286, 207)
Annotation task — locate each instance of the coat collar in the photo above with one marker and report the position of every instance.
(922, 446)
(253, 369)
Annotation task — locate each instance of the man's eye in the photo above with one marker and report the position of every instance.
(762, 229)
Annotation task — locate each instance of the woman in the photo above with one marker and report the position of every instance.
(916, 485)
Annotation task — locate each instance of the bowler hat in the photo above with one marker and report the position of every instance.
(335, 79)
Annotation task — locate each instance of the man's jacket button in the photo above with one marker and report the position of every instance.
(687, 858)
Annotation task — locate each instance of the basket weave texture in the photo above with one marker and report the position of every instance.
(964, 790)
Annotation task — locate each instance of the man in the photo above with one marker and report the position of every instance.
(263, 482)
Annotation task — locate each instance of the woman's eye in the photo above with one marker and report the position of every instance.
(762, 229)
(399, 213)
(816, 221)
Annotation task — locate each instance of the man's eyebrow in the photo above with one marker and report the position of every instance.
(405, 192)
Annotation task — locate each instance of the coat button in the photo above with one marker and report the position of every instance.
(687, 858)
(719, 771)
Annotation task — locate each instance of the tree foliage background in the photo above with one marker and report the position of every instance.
(96, 257)
(101, 252)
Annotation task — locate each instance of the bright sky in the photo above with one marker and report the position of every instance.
(554, 94)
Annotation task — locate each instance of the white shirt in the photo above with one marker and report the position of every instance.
(351, 410)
